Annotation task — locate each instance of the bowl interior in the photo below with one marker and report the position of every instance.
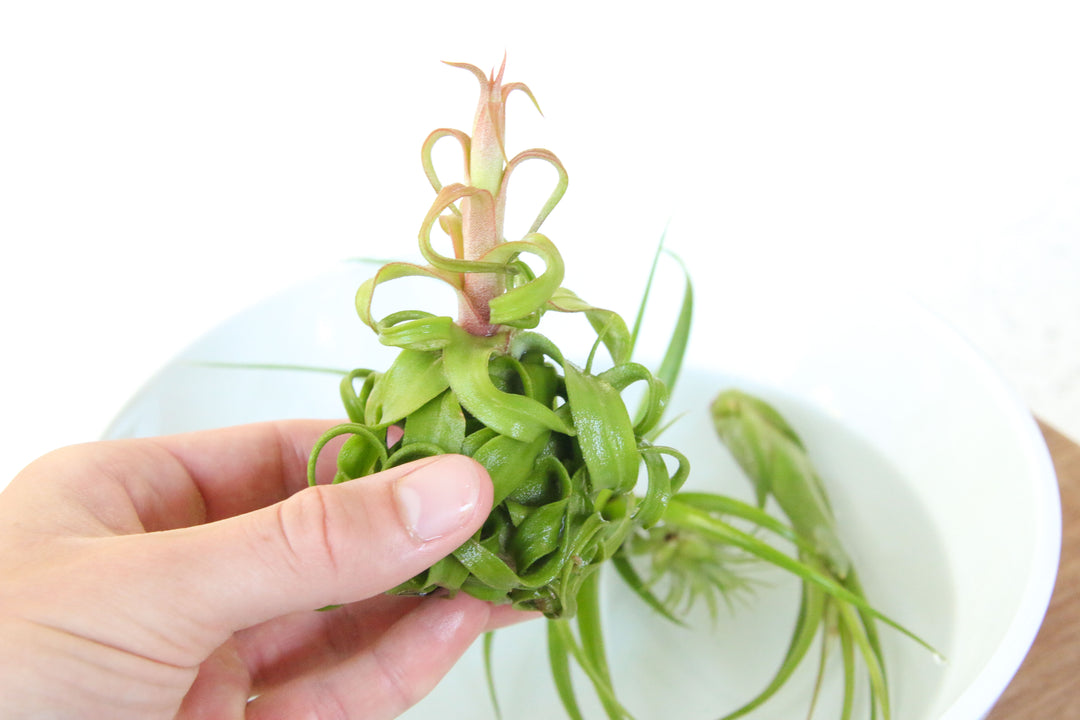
(942, 486)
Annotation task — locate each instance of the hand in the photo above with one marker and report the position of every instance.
(177, 577)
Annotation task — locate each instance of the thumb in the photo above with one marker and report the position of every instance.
(326, 545)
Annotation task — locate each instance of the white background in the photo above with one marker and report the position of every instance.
(163, 165)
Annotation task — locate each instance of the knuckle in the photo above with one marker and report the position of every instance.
(329, 705)
(310, 525)
(395, 684)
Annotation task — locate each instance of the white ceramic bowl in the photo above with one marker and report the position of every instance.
(941, 482)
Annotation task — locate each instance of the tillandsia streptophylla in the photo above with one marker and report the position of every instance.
(558, 440)
(563, 450)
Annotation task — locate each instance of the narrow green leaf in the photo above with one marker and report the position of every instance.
(676, 350)
(448, 573)
(645, 294)
(819, 678)
(663, 484)
(488, 567)
(774, 459)
(683, 514)
(634, 581)
(608, 324)
(354, 400)
(811, 611)
(415, 378)
(604, 431)
(879, 693)
(590, 627)
(653, 403)
(489, 673)
(407, 453)
(356, 429)
(602, 688)
(425, 154)
(509, 462)
(392, 271)
(266, 366)
(526, 299)
(661, 429)
(723, 505)
(482, 202)
(415, 330)
(440, 421)
(851, 582)
(520, 417)
(847, 653)
(560, 185)
(548, 481)
(373, 260)
(658, 491)
(538, 535)
(559, 659)
(359, 456)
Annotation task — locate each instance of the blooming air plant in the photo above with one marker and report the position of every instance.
(580, 478)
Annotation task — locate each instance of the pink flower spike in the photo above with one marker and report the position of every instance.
(482, 208)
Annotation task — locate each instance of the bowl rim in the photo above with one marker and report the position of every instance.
(990, 683)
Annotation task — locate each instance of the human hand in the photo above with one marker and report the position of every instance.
(176, 577)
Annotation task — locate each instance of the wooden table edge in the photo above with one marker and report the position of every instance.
(1048, 682)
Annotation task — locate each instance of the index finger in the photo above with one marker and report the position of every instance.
(168, 482)
(242, 468)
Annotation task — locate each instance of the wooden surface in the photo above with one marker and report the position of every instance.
(1048, 684)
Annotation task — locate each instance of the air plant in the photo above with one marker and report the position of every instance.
(579, 478)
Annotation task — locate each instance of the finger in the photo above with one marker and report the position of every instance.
(239, 469)
(127, 486)
(325, 545)
(221, 689)
(402, 667)
(288, 646)
(505, 616)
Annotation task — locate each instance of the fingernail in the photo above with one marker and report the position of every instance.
(438, 497)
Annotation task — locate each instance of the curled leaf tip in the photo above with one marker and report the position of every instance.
(471, 68)
(510, 87)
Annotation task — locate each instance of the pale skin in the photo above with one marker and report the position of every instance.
(178, 577)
